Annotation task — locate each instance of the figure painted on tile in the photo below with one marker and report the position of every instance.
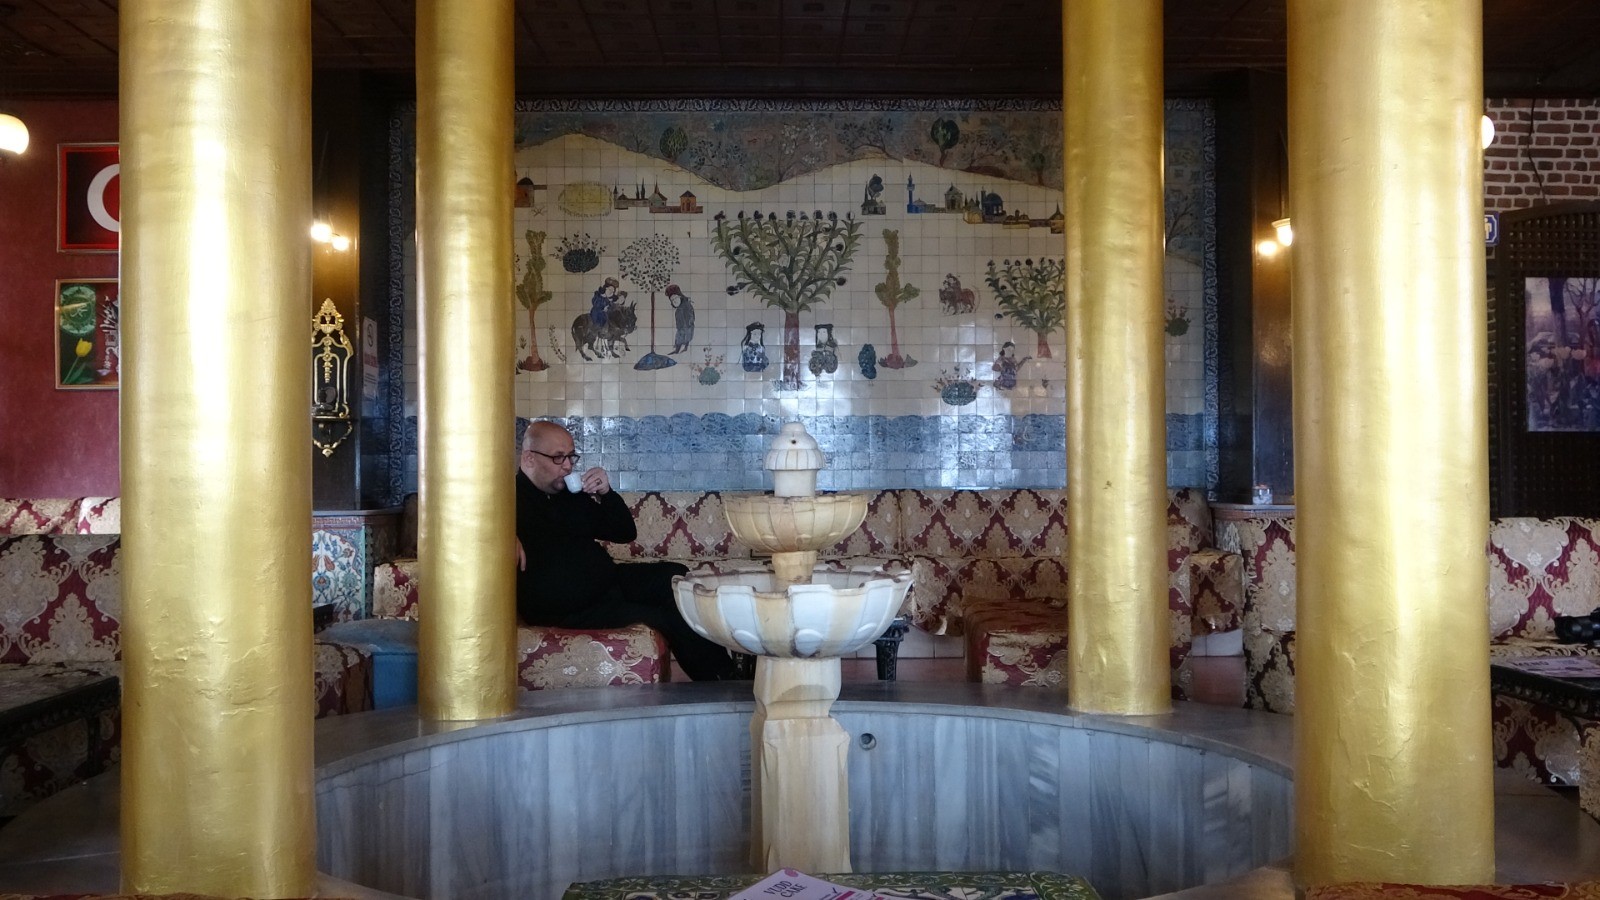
(825, 356)
(954, 298)
(566, 579)
(600, 303)
(620, 320)
(1006, 366)
(753, 355)
(683, 316)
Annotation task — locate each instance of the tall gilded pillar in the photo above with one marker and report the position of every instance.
(1393, 772)
(1116, 390)
(466, 525)
(216, 476)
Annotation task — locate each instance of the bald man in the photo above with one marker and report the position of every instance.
(567, 580)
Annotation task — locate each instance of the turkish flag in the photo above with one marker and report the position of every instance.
(89, 197)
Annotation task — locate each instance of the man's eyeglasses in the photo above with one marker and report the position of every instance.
(559, 458)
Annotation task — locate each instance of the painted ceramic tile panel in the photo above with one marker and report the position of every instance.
(882, 262)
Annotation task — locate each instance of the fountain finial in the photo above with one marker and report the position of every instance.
(794, 459)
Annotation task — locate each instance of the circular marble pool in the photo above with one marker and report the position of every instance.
(583, 785)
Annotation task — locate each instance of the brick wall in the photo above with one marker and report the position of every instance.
(1544, 151)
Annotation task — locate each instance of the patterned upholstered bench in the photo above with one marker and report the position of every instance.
(546, 657)
(1538, 569)
(995, 570)
(60, 613)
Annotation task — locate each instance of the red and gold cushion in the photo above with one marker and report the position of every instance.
(341, 678)
(565, 658)
(39, 516)
(678, 525)
(546, 657)
(984, 524)
(1540, 569)
(1372, 890)
(1216, 587)
(1189, 525)
(1589, 771)
(62, 599)
(394, 589)
(941, 587)
(1017, 643)
(1267, 560)
(100, 515)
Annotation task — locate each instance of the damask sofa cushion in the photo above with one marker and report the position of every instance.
(691, 527)
(1538, 569)
(60, 598)
(546, 657)
(1012, 606)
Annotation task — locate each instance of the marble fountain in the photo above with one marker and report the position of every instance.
(683, 779)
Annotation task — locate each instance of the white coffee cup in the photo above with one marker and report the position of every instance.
(574, 482)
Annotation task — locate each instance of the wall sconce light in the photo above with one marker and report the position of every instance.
(1284, 231)
(1485, 131)
(13, 134)
(330, 368)
(323, 233)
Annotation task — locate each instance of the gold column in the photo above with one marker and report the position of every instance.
(216, 477)
(1116, 392)
(467, 633)
(1393, 774)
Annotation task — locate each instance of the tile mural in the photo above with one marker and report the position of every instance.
(690, 274)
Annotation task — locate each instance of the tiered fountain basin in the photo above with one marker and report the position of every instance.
(838, 612)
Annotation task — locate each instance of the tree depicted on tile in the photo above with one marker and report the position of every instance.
(792, 263)
(532, 295)
(1032, 295)
(649, 263)
(944, 133)
(891, 293)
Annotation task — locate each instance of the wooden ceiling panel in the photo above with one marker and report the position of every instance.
(679, 25)
(609, 8)
(766, 9)
(1550, 47)
(625, 24)
(703, 9)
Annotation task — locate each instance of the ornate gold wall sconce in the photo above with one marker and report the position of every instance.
(330, 369)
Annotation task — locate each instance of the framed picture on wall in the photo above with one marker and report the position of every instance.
(1562, 355)
(88, 343)
(88, 198)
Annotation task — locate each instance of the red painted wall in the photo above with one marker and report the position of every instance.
(53, 443)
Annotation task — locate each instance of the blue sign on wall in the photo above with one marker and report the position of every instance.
(1491, 228)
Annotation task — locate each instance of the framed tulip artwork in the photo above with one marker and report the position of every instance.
(88, 346)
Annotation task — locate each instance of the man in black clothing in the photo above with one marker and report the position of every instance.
(567, 580)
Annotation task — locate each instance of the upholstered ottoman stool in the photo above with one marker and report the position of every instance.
(1017, 643)
(392, 643)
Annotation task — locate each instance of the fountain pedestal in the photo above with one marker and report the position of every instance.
(800, 805)
(798, 620)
